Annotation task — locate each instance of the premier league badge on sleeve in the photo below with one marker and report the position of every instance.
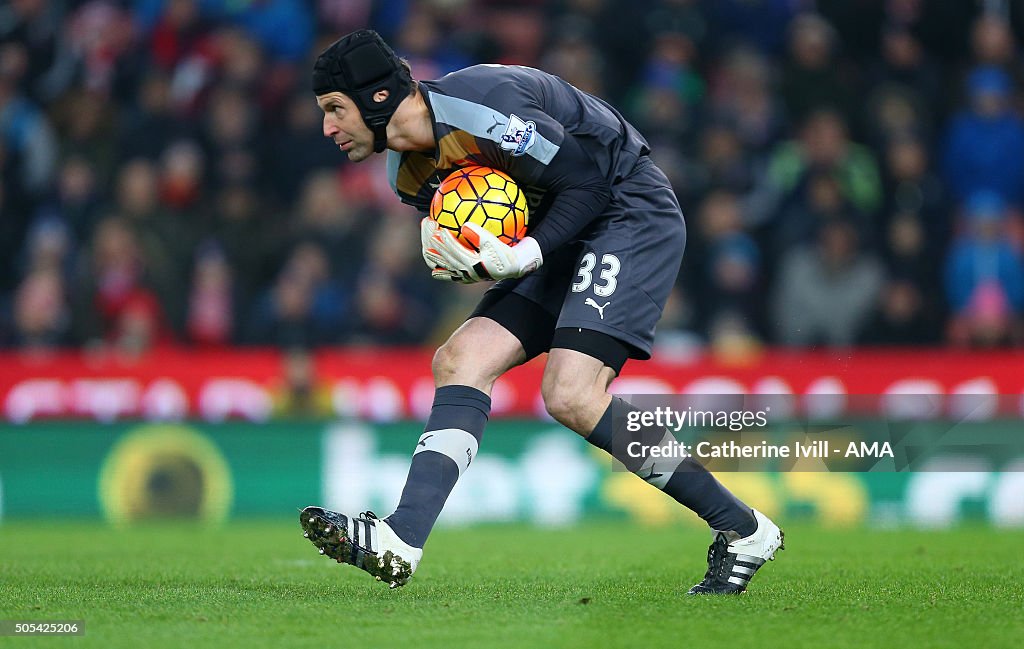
(518, 137)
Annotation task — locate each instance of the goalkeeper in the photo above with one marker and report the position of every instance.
(587, 285)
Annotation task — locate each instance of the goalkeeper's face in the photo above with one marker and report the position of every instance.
(344, 124)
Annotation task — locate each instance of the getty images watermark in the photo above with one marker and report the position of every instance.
(770, 433)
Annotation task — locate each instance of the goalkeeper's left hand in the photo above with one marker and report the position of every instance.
(439, 269)
(493, 260)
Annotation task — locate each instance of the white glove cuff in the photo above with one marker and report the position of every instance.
(528, 255)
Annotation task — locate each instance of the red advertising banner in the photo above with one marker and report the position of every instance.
(385, 385)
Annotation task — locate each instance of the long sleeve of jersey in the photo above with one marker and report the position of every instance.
(563, 147)
(579, 191)
(580, 195)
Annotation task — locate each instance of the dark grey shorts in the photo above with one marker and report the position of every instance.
(617, 276)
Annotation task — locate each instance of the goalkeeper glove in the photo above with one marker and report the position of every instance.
(431, 256)
(493, 259)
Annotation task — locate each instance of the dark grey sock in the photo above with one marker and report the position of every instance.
(687, 481)
(449, 443)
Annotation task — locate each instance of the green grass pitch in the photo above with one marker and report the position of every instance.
(260, 584)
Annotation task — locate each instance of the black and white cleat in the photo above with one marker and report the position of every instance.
(732, 564)
(363, 541)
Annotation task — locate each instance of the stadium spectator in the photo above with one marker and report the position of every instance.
(983, 143)
(824, 145)
(326, 216)
(210, 318)
(48, 246)
(301, 394)
(812, 78)
(181, 179)
(27, 139)
(893, 111)
(115, 306)
(230, 137)
(905, 62)
(241, 227)
(985, 277)
(736, 278)
(992, 43)
(618, 35)
(150, 123)
(911, 184)
(686, 18)
(909, 308)
(343, 16)
(762, 24)
(670, 90)
(76, 199)
(41, 318)
(662, 108)
(283, 28)
(741, 95)
(725, 266)
(304, 307)
(825, 294)
(724, 164)
(101, 33)
(86, 128)
(907, 252)
(33, 49)
(165, 239)
(179, 34)
(393, 303)
(422, 40)
(240, 61)
(901, 318)
(818, 200)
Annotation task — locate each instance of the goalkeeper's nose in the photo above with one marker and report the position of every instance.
(330, 127)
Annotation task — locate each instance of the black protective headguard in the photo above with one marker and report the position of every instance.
(359, 65)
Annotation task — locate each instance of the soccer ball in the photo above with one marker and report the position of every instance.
(484, 196)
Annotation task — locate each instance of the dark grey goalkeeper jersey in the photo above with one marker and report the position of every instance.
(564, 147)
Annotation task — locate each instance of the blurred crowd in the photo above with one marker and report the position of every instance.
(852, 171)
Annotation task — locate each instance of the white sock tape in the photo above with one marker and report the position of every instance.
(456, 443)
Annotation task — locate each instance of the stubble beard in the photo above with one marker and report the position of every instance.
(359, 152)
